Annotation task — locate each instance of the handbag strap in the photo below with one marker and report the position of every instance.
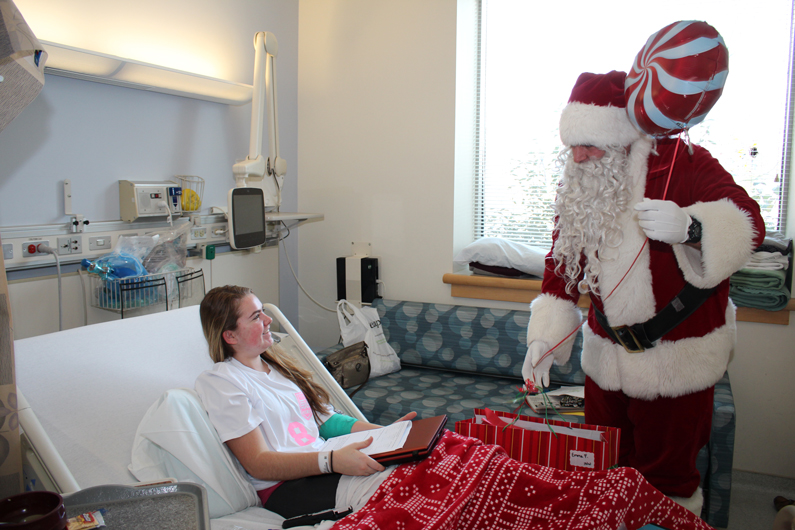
(360, 386)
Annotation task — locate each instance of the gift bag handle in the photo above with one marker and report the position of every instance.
(492, 419)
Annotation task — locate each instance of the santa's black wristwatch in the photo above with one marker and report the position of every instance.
(694, 231)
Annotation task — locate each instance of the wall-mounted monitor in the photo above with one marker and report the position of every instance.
(246, 217)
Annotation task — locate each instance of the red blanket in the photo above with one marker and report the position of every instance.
(465, 484)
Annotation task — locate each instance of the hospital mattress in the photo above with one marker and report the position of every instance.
(85, 390)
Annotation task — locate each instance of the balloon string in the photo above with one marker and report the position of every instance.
(671, 169)
(665, 194)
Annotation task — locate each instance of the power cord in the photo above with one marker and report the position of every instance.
(281, 240)
(41, 247)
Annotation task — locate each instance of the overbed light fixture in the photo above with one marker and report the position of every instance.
(87, 65)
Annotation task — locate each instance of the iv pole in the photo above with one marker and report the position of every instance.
(254, 167)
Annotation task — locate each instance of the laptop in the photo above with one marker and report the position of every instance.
(422, 438)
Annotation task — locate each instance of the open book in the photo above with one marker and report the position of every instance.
(565, 399)
(384, 439)
(406, 441)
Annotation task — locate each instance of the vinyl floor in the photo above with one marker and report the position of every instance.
(752, 497)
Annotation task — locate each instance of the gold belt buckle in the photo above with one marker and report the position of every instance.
(623, 334)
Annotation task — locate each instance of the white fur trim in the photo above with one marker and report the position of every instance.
(633, 300)
(551, 320)
(727, 243)
(694, 503)
(583, 124)
(670, 369)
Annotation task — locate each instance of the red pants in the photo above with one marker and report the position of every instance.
(659, 438)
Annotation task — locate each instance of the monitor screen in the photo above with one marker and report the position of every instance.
(246, 217)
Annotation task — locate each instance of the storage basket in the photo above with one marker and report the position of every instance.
(149, 293)
(192, 192)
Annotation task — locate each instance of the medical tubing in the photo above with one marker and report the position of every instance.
(296, 277)
(85, 302)
(41, 247)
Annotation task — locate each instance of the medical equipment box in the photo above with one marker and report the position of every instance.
(149, 199)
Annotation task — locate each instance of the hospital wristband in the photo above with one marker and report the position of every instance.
(324, 462)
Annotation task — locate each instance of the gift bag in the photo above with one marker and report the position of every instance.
(572, 447)
(364, 324)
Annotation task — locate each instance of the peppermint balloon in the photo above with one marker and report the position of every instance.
(676, 78)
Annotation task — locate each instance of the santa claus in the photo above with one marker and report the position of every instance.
(652, 231)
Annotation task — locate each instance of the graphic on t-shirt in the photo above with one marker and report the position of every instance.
(300, 434)
(306, 410)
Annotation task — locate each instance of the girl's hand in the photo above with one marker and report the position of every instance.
(351, 461)
(408, 417)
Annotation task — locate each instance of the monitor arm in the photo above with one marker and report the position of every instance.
(254, 167)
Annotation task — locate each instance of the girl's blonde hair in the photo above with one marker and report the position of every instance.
(219, 313)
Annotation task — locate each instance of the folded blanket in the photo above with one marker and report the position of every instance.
(769, 299)
(467, 485)
(758, 279)
(768, 260)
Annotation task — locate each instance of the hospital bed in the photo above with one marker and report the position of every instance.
(99, 400)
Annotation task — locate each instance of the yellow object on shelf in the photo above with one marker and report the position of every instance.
(190, 201)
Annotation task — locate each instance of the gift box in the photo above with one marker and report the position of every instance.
(563, 445)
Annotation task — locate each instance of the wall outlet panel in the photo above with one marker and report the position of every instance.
(29, 248)
(94, 243)
(99, 242)
(64, 245)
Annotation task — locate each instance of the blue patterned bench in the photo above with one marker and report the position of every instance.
(458, 358)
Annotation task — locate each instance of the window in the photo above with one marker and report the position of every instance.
(531, 54)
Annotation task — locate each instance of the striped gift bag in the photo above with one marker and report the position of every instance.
(569, 446)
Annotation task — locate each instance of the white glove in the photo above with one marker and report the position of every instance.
(663, 220)
(537, 372)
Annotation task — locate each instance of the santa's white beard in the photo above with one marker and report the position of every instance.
(591, 197)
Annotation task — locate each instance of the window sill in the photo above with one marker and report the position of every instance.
(524, 291)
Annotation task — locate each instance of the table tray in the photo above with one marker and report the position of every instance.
(176, 506)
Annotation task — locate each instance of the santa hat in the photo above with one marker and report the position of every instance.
(596, 113)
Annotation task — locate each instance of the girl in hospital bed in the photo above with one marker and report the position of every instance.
(274, 419)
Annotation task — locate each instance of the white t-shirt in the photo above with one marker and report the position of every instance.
(239, 399)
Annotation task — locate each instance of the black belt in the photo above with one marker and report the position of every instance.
(639, 337)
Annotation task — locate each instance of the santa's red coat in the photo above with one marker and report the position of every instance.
(694, 355)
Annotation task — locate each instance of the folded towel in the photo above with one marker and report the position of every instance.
(769, 299)
(758, 279)
(762, 256)
(765, 266)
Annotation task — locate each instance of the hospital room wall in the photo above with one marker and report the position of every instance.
(377, 129)
(95, 134)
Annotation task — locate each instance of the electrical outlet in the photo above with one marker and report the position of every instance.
(70, 245)
(198, 232)
(64, 245)
(99, 243)
(8, 251)
(29, 249)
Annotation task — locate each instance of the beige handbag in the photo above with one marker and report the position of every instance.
(350, 366)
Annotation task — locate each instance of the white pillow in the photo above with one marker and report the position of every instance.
(500, 252)
(176, 439)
